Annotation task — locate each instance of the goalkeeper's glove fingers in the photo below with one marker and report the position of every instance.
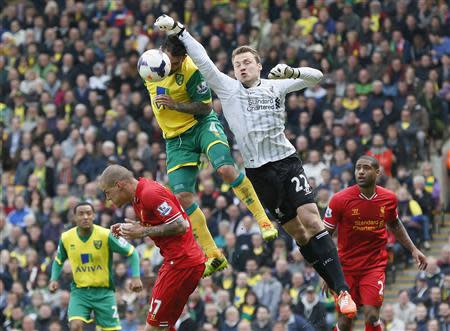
(278, 72)
(167, 23)
(281, 71)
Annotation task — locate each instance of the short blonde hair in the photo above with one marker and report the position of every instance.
(246, 49)
(112, 174)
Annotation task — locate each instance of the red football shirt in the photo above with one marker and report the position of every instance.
(155, 205)
(361, 225)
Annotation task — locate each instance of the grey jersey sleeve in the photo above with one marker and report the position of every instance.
(217, 80)
(308, 78)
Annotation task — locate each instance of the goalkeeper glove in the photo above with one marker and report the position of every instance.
(281, 71)
(167, 23)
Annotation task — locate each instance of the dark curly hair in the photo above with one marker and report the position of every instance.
(174, 46)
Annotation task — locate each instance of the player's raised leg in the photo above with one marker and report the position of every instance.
(299, 216)
(199, 226)
(183, 181)
(216, 260)
(214, 143)
(244, 190)
(318, 248)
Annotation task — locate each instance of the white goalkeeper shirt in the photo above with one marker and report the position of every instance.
(256, 114)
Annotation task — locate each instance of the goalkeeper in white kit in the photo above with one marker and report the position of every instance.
(254, 110)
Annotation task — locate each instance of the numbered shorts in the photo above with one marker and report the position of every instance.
(282, 187)
(101, 301)
(171, 292)
(183, 153)
(367, 288)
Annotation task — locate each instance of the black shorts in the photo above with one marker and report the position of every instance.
(282, 187)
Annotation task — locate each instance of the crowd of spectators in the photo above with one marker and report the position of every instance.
(424, 306)
(72, 102)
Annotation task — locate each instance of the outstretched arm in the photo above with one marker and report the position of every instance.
(217, 80)
(294, 79)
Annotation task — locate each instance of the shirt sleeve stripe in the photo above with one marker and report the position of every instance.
(172, 219)
(58, 260)
(332, 226)
(131, 250)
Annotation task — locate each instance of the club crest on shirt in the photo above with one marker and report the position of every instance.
(382, 211)
(164, 209)
(328, 212)
(355, 211)
(179, 78)
(97, 244)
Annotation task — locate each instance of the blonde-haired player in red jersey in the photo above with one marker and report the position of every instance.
(162, 218)
(361, 214)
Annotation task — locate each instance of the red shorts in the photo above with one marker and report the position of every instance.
(171, 292)
(367, 288)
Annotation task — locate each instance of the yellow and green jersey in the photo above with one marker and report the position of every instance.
(239, 296)
(247, 312)
(91, 257)
(183, 86)
(252, 281)
(429, 184)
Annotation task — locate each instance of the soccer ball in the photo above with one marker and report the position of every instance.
(153, 65)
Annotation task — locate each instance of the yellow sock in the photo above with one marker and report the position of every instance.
(201, 231)
(244, 190)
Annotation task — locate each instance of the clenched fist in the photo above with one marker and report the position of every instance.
(168, 24)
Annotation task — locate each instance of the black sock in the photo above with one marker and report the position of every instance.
(309, 256)
(323, 249)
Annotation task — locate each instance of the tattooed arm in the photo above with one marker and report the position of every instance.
(134, 230)
(178, 226)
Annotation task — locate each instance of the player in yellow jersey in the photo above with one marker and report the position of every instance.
(181, 103)
(89, 249)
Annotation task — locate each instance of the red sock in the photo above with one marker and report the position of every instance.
(373, 327)
(172, 328)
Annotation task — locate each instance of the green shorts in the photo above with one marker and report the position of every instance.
(183, 153)
(102, 301)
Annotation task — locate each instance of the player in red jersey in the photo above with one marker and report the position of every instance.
(361, 213)
(162, 218)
